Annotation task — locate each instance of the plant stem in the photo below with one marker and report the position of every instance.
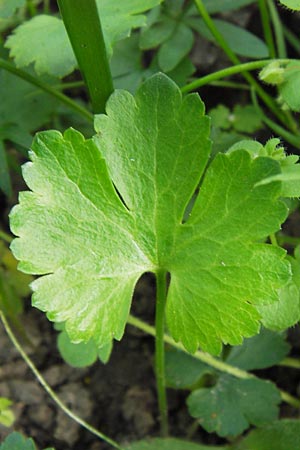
(232, 56)
(161, 295)
(278, 30)
(82, 22)
(265, 20)
(32, 9)
(233, 70)
(291, 138)
(5, 237)
(49, 391)
(273, 239)
(290, 362)
(46, 88)
(209, 360)
(292, 39)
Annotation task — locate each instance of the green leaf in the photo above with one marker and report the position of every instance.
(289, 88)
(7, 417)
(31, 113)
(8, 7)
(118, 18)
(286, 312)
(15, 441)
(184, 371)
(240, 40)
(170, 444)
(290, 178)
(158, 33)
(234, 404)
(259, 352)
(215, 6)
(82, 354)
(220, 117)
(176, 48)
(245, 119)
(280, 435)
(37, 41)
(292, 4)
(92, 243)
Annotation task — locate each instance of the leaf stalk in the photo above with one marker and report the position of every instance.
(161, 296)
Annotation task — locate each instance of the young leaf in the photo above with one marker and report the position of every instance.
(280, 435)
(92, 243)
(170, 444)
(259, 352)
(292, 4)
(234, 404)
(289, 88)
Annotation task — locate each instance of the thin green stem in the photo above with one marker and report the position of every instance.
(46, 7)
(284, 239)
(161, 295)
(273, 239)
(70, 85)
(49, 391)
(229, 71)
(270, 103)
(31, 7)
(208, 359)
(82, 22)
(46, 88)
(5, 237)
(230, 85)
(290, 362)
(292, 39)
(278, 30)
(265, 20)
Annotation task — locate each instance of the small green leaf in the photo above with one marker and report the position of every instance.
(290, 178)
(220, 117)
(176, 48)
(170, 444)
(240, 40)
(8, 7)
(289, 89)
(280, 435)
(15, 441)
(234, 404)
(37, 40)
(158, 33)
(286, 312)
(92, 243)
(184, 371)
(119, 18)
(292, 4)
(245, 119)
(7, 417)
(259, 352)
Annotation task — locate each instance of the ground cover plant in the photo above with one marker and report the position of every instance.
(133, 175)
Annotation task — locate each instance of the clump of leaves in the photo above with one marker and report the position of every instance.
(125, 206)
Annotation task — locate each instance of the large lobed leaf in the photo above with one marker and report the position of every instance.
(92, 247)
